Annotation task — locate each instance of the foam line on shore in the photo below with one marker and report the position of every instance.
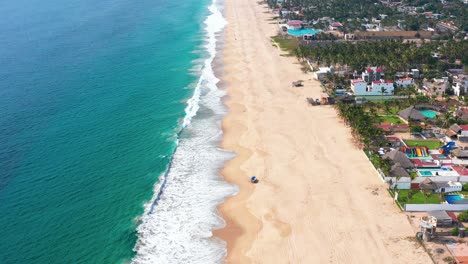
(178, 221)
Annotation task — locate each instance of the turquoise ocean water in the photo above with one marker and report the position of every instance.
(92, 94)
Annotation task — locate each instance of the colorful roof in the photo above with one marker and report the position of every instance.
(295, 23)
(357, 81)
(463, 127)
(379, 70)
(336, 24)
(369, 70)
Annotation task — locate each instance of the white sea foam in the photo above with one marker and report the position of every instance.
(178, 221)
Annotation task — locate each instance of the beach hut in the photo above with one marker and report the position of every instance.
(411, 113)
(400, 158)
(428, 185)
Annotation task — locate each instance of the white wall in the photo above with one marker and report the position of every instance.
(433, 207)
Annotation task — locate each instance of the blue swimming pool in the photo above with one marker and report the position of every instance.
(425, 173)
(453, 198)
(428, 113)
(301, 32)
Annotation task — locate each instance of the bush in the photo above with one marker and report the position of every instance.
(454, 231)
(463, 217)
(465, 187)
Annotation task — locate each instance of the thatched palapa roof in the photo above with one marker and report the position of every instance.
(398, 170)
(428, 184)
(399, 157)
(411, 113)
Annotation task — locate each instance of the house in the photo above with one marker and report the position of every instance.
(445, 187)
(427, 185)
(335, 26)
(400, 158)
(372, 74)
(411, 113)
(389, 128)
(403, 183)
(295, 24)
(443, 219)
(415, 73)
(379, 87)
(436, 86)
(446, 26)
(404, 82)
(349, 36)
(460, 84)
(462, 113)
(321, 74)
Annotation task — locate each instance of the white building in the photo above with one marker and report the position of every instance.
(372, 74)
(460, 84)
(322, 73)
(360, 87)
(448, 187)
(404, 82)
(436, 86)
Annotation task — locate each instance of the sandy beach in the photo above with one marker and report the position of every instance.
(319, 199)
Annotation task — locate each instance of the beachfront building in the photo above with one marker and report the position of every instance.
(321, 74)
(445, 187)
(378, 87)
(404, 82)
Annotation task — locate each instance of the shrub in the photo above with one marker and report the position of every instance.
(465, 187)
(463, 217)
(454, 231)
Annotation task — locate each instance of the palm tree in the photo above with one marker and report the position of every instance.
(383, 91)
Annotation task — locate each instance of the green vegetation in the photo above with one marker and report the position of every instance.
(454, 231)
(418, 197)
(361, 123)
(465, 187)
(463, 216)
(288, 44)
(399, 55)
(391, 119)
(431, 144)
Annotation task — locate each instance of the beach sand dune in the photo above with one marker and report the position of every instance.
(319, 199)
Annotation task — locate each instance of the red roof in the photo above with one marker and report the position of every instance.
(452, 215)
(388, 81)
(406, 79)
(377, 82)
(295, 23)
(370, 70)
(385, 126)
(461, 170)
(357, 81)
(379, 70)
(464, 127)
(336, 24)
(419, 163)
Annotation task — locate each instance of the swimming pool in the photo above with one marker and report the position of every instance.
(301, 32)
(455, 199)
(428, 113)
(425, 173)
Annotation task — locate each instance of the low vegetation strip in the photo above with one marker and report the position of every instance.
(431, 144)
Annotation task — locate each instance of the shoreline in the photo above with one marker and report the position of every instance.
(277, 136)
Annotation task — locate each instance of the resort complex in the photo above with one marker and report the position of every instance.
(403, 91)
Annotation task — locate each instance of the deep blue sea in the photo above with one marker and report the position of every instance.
(92, 97)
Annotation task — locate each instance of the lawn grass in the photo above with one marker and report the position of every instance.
(417, 197)
(286, 44)
(391, 119)
(431, 144)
